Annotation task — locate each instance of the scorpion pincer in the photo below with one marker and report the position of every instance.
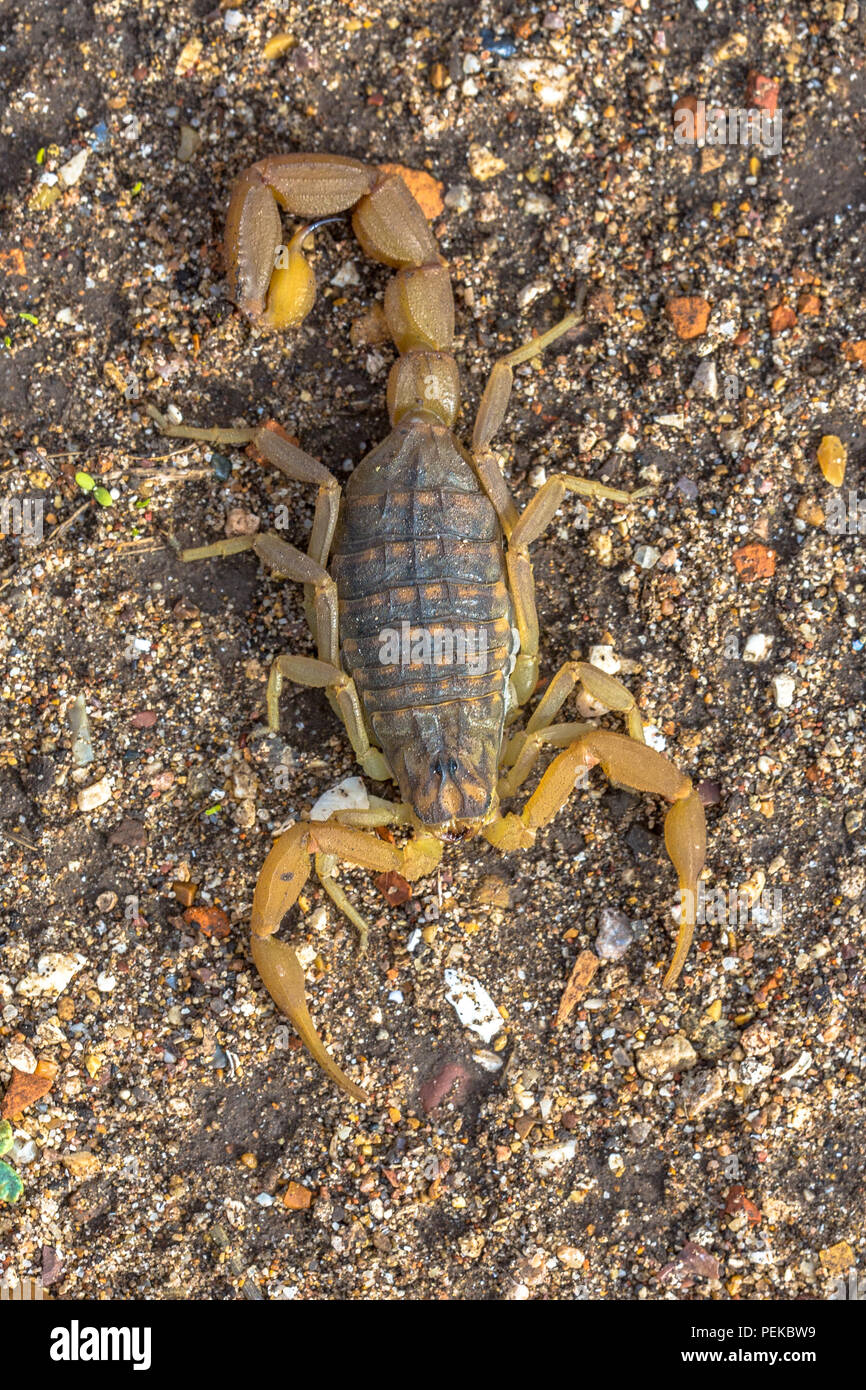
(426, 540)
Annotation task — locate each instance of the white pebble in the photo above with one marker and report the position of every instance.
(458, 197)
(53, 973)
(23, 1151)
(783, 691)
(614, 934)
(706, 380)
(604, 658)
(348, 795)
(552, 1156)
(646, 556)
(71, 172)
(753, 1072)
(89, 798)
(105, 982)
(18, 1055)
(537, 204)
(757, 646)
(346, 275)
(473, 1005)
(531, 292)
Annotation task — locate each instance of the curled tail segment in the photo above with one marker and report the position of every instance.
(274, 284)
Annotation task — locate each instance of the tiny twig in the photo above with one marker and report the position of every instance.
(7, 574)
(64, 525)
(162, 475)
(18, 840)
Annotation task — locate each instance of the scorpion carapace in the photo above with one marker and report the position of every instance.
(425, 624)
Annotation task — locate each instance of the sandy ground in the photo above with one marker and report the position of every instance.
(172, 1138)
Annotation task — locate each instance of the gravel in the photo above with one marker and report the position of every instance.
(653, 1145)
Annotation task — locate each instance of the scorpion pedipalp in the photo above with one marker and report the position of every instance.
(283, 876)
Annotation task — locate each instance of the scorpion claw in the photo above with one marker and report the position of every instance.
(283, 977)
(686, 841)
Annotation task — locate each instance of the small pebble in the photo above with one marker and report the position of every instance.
(458, 197)
(615, 934)
(783, 691)
(71, 172)
(832, 456)
(757, 647)
(82, 742)
(705, 381)
(483, 164)
(605, 659)
(499, 44)
(646, 556)
(20, 1055)
(92, 797)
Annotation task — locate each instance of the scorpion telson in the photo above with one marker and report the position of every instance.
(426, 533)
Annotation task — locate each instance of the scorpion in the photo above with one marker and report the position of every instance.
(426, 538)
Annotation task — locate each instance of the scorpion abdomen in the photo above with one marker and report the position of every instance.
(426, 618)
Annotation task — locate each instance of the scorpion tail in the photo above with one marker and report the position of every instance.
(274, 285)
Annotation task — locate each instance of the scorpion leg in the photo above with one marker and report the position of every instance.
(497, 392)
(287, 560)
(291, 563)
(640, 768)
(531, 524)
(523, 750)
(305, 670)
(491, 413)
(273, 445)
(283, 876)
(599, 685)
(325, 672)
(520, 531)
(215, 435)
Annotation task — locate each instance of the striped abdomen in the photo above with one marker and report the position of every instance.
(426, 618)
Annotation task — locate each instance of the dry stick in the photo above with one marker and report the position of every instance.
(162, 475)
(18, 840)
(142, 547)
